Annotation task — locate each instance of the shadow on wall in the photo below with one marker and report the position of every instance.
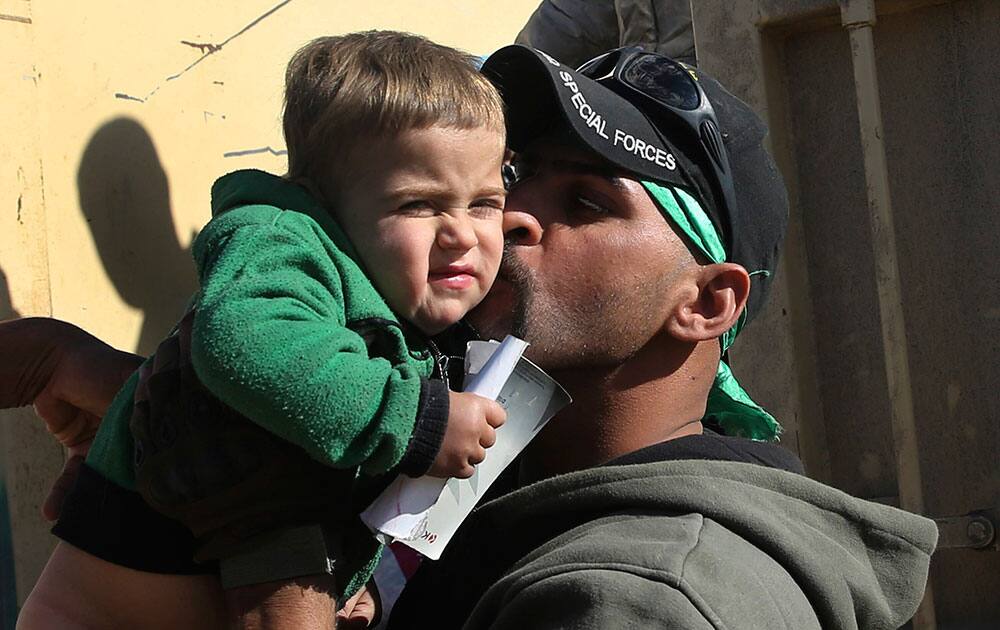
(6, 304)
(126, 202)
(8, 587)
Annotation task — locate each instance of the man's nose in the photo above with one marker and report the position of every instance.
(521, 227)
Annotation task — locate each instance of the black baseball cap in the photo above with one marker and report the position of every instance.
(541, 93)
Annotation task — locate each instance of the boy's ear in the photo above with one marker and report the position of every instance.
(711, 303)
(312, 187)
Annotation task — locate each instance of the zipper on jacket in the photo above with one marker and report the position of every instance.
(440, 362)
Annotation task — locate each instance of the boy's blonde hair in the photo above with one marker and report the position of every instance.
(347, 89)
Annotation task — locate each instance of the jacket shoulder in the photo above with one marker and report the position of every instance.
(670, 570)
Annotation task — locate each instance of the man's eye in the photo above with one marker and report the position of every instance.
(591, 206)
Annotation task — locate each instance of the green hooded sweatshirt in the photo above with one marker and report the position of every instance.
(683, 544)
(290, 332)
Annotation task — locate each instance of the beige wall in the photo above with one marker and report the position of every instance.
(112, 129)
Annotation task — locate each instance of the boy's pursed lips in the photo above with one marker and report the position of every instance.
(455, 275)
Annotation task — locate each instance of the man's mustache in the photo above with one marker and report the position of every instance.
(512, 269)
(520, 278)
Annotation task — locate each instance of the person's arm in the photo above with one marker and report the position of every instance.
(271, 341)
(70, 377)
(572, 31)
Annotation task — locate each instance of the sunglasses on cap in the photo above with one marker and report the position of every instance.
(668, 93)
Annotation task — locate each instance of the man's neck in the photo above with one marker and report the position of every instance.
(656, 395)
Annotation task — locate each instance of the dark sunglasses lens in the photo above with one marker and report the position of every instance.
(663, 80)
(509, 174)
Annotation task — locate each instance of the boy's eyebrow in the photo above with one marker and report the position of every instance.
(494, 191)
(434, 191)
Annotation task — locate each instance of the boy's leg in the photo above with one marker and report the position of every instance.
(80, 591)
(273, 587)
(121, 565)
(304, 603)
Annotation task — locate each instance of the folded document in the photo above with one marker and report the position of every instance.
(424, 513)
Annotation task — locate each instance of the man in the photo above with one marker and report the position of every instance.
(630, 238)
(630, 512)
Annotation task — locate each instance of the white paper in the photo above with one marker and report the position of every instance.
(488, 380)
(424, 513)
(400, 512)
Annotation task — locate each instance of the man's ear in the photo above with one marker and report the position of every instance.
(712, 303)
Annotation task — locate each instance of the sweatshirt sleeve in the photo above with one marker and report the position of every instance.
(429, 429)
(270, 340)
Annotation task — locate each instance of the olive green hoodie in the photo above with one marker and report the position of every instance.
(687, 544)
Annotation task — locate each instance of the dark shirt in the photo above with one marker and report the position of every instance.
(717, 447)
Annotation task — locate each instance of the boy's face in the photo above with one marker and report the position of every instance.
(424, 210)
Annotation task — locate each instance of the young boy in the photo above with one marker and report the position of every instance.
(318, 293)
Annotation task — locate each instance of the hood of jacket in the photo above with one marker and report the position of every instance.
(254, 187)
(859, 564)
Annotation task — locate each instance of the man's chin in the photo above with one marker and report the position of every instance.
(493, 317)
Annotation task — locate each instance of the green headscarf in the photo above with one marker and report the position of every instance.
(728, 403)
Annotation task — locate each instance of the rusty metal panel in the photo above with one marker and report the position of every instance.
(838, 245)
(938, 87)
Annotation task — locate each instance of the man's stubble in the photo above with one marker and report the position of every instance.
(599, 328)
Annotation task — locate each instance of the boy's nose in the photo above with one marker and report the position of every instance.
(457, 233)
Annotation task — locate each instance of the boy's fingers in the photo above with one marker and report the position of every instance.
(488, 437)
(495, 414)
(478, 455)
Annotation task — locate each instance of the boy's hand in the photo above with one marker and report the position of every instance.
(472, 424)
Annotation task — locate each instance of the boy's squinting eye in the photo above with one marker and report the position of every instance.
(416, 207)
(486, 207)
